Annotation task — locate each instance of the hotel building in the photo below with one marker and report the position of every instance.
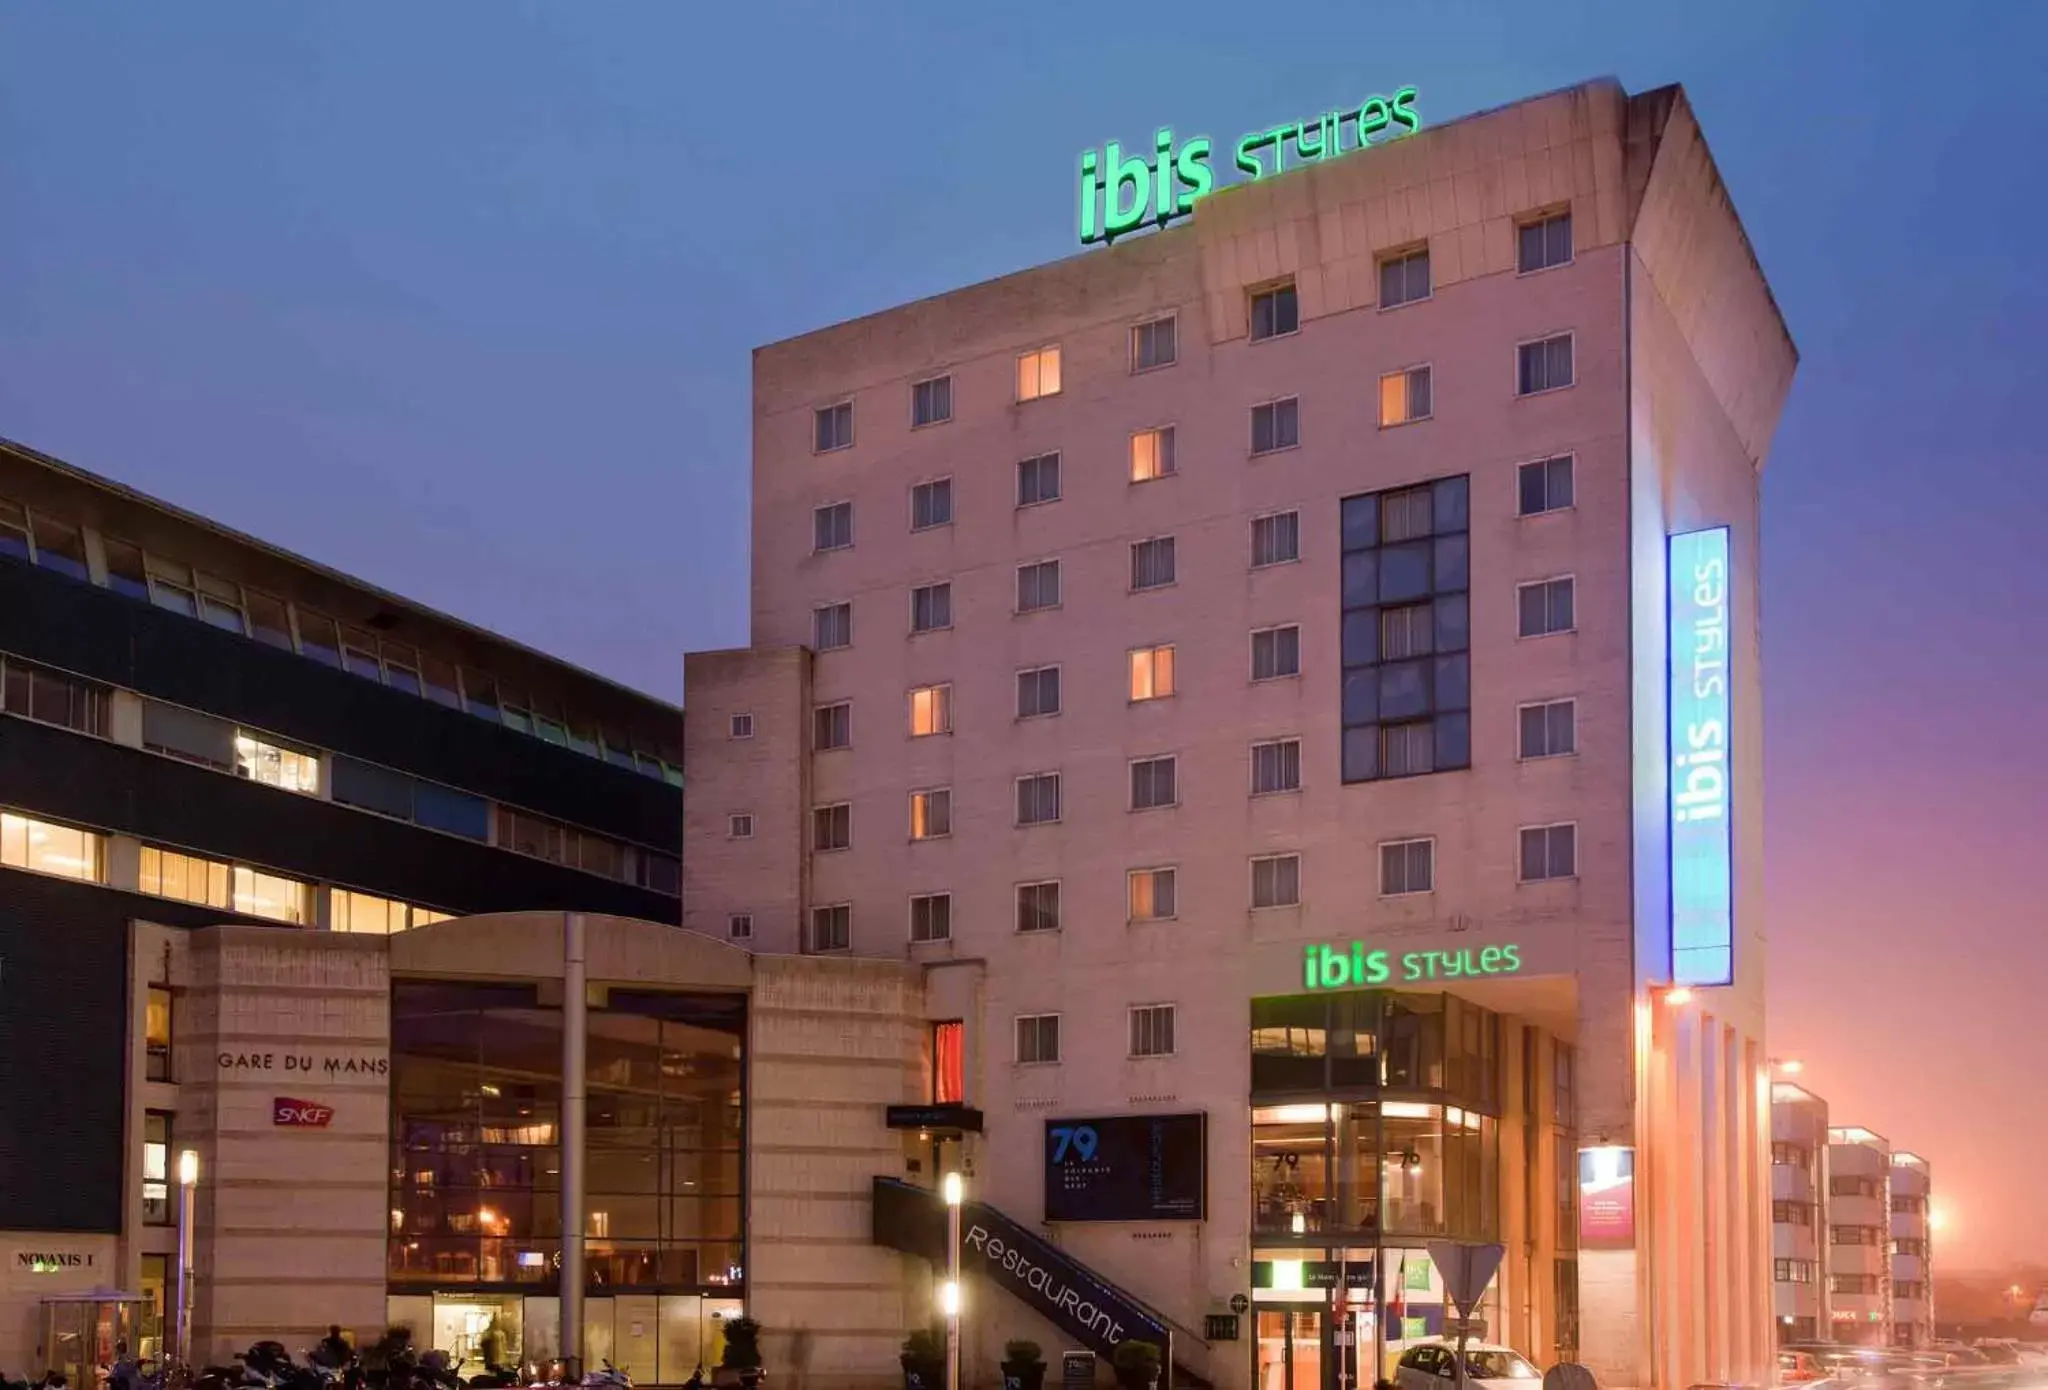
(1284, 686)
(1799, 1214)
(1912, 1266)
(1859, 1226)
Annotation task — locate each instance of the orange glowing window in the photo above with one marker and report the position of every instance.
(949, 1063)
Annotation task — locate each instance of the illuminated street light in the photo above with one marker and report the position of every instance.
(1789, 1066)
(1677, 995)
(188, 1184)
(949, 1298)
(1936, 1218)
(954, 1188)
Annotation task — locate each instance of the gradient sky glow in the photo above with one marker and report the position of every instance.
(460, 298)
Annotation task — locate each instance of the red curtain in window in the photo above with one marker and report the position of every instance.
(949, 1063)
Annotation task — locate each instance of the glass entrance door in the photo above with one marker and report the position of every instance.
(1290, 1349)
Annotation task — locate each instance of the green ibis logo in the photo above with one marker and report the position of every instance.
(1359, 966)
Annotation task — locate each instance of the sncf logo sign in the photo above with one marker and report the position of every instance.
(300, 1114)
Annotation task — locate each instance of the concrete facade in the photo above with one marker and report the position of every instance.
(1859, 1236)
(1912, 1264)
(1681, 365)
(1799, 1202)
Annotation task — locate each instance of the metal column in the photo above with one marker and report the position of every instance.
(575, 1010)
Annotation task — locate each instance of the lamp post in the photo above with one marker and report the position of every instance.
(188, 1184)
(949, 1294)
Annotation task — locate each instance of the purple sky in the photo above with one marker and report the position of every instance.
(460, 298)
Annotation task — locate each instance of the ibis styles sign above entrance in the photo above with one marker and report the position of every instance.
(1359, 966)
(1121, 192)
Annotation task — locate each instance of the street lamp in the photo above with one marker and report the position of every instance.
(188, 1183)
(1677, 994)
(1788, 1066)
(949, 1292)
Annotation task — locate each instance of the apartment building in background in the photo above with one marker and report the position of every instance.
(1912, 1250)
(1799, 1213)
(1235, 667)
(1859, 1227)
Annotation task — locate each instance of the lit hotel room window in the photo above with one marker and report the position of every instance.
(49, 849)
(258, 894)
(274, 766)
(368, 914)
(186, 877)
(949, 1062)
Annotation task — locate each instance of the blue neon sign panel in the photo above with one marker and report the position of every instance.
(1701, 788)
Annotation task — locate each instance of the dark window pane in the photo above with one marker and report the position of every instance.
(459, 813)
(1454, 740)
(1453, 623)
(1361, 697)
(1404, 692)
(1361, 637)
(189, 735)
(1361, 522)
(1404, 572)
(373, 788)
(1453, 504)
(1532, 480)
(1452, 569)
(1361, 578)
(1362, 753)
(1453, 682)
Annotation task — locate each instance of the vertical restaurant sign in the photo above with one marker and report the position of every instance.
(1607, 1198)
(1700, 794)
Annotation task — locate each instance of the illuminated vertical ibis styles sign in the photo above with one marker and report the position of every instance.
(1123, 190)
(1701, 786)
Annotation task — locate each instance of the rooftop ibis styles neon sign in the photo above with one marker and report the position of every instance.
(1121, 192)
(1358, 966)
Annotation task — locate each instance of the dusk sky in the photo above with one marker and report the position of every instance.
(460, 298)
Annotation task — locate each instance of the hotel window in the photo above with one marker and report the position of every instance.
(1545, 606)
(1544, 243)
(530, 835)
(931, 504)
(1153, 783)
(1038, 1038)
(832, 527)
(1151, 673)
(125, 571)
(1792, 1213)
(402, 672)
(1406, 632)
(1152, 454)
(832, 627)
(1275, 313)
(14, 530)
(1407, 866)
(1404, 279)
(834, 427)
(1276, 880)
(931, 710)
(740, 726)
(276, 766)
(34, 692)
(1276, 539)
(1550, 851)
(739, 926)
(44, 848)
(220, 604)
(156, 1169)
(949, 1062)
(60, 548)
(1854, 1235)
(832, 726)
(1152, 1030)
(739, 826)
(832, 827)
(1038, 373)
(1545, 486)
(1152, 345)
(367, 914)
(1840, 1186)
(156, 1034)
(1790, 1155)
(931, 813)
(1038, 586)
(271, 896)
(1853, 1283)
(170, 586)
(1549, 730)
(930, 609)
(440, 683)
(1038, 906)
(1276, 653)
(931, 402)
(186, 878)
(1792, 1271)
(1405, 397)
(1038, 692)
(1151, 894)
(1545, 365)
(1038, 480)
(372, 788)
(931, 917)
(832, 928)
(1276, 766)
(359, 657)
(1276, 425)
(320, 640)
(1152, 564)
(1038, 798)
(270, 623)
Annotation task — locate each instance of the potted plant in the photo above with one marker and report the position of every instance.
(1137, 1364)
(1023, 1365)
(743, 1349)
(924, 1360)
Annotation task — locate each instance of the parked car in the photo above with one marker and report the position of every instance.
(1798, 1367)
(1432, 1365)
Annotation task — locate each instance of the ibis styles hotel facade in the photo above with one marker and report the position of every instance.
(1287, 681)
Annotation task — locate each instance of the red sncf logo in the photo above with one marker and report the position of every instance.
(300, 1114)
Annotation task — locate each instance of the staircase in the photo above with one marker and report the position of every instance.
(1011, 1257)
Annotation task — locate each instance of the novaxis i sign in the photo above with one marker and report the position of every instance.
(1702, 843)
(1121, 192)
